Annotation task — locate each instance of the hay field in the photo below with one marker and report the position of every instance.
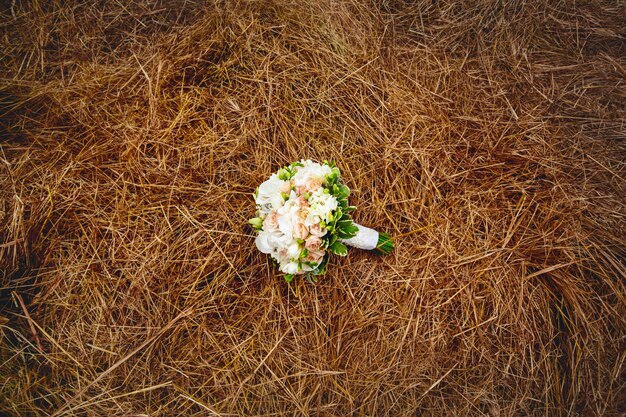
(487, 136)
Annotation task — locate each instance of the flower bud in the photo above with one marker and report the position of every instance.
(256, 222)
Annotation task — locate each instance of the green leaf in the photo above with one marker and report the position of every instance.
(321, 268)
(289, 278)
(345, 191)
(329, 239)
(338, 248)
(347, 225)
(334, 176)
(346, 229)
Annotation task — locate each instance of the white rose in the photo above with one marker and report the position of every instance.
(281, 255)
(269, 195)
(289, 268)
(293, 251)
(311, 173)
(286, 220)
(279, 240)
(270, 242)
(262, 242)
(288, 216)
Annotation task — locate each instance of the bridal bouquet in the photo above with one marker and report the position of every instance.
(303, 216)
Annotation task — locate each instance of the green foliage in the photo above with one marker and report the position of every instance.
(328, 240)
(284, 174)
(321, 268)
(287, 172)
(338, 248)
(340, 224)
(345, 228)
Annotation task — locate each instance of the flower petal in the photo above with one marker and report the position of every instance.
(262, 243)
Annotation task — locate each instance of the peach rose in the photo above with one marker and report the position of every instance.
(300, 230)
(302, 202)
(303, 213)
(271, 221)
(285, 188)
(313, 243)
(317, 230)
(312, 184)
(315, 256)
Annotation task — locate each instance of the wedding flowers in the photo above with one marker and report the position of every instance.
(303, 216)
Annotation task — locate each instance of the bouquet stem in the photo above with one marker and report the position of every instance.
(370, 239)
(385, 244)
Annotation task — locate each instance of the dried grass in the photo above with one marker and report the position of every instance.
(486, 136)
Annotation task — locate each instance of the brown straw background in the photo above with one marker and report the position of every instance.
(486, 136)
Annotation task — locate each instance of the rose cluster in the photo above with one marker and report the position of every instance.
(302, 216)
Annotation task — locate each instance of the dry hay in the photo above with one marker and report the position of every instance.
(486, 136)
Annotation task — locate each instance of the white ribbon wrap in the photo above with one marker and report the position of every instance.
(365, 238)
